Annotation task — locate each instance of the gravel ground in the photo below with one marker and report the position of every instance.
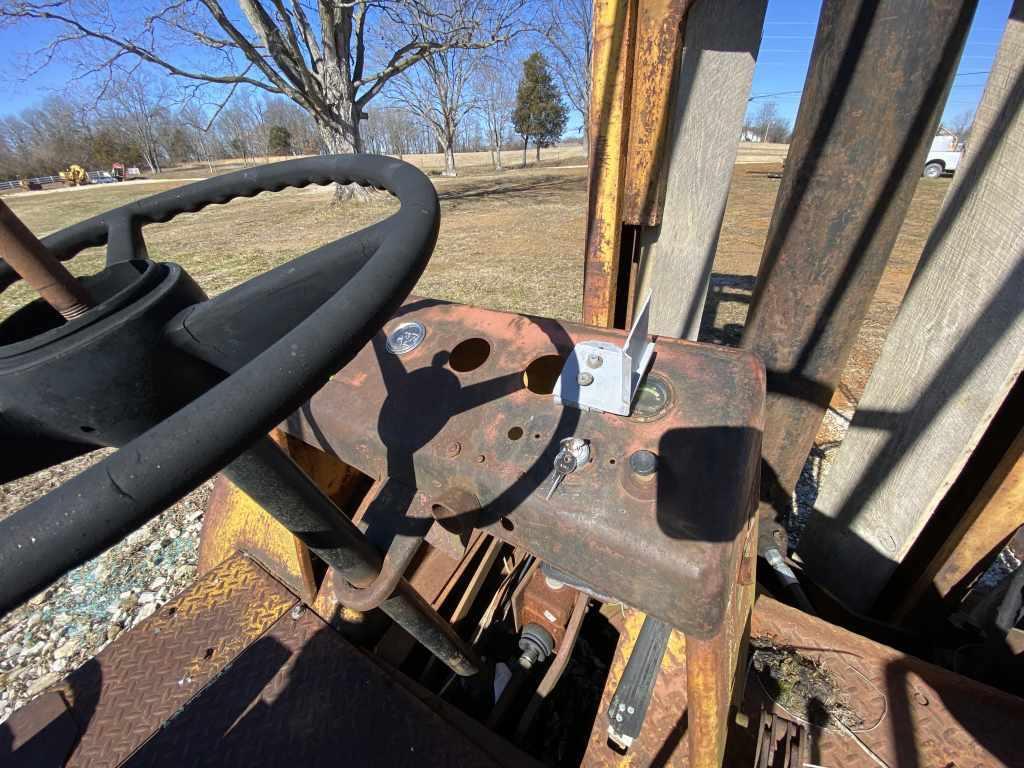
(823, 455)
(75, 618)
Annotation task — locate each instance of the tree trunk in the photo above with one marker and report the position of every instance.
(449, 161)
(497, 151)
(526, 140)
(537, 144)
(341, 139)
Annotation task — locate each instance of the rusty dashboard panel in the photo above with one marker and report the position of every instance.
(456, 402)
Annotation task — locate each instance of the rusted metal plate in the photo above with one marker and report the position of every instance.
(42, 733)
(302, 695)
(654, 64)
(716, 668)
(669, 547)
(124, 694)
(915, 713)
(699, 682)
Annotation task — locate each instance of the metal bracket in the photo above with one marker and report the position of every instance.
(600, 376)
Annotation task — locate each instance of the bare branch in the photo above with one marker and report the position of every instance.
(128, 47)
(316, 57)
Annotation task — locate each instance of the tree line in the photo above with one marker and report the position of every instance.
(138, 121)
(337, 62)
(140, 125)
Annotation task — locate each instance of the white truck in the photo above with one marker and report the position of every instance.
(943, 156)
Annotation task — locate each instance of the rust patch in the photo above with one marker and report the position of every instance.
(654, 65)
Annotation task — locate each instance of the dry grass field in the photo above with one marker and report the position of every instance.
(509, 240)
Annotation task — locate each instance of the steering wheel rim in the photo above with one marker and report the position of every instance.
(98, 507)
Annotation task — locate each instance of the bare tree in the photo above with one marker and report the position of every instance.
(286, 114)
(768, 125)
(195, 122)
(142, 104)
(496, 96)
(331, 57)
(567, 31)
(960, 126)
(399, 131)
(438, 92)
(238, 127)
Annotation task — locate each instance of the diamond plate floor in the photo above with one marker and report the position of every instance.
(228, 674)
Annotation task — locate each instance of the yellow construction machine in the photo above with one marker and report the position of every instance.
(74, 176)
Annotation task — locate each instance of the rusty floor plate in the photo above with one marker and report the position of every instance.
(228, 674)
(301, 695)
(916, 714)
(118, 698)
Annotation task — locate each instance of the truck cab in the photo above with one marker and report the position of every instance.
(943, 156)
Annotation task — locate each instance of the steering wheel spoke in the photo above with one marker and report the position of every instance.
(124, 238)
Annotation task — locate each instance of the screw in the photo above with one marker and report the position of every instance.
(643, 463)
(481, 459)
(296, 612)
(585, 379)
(529, 657)
(453, 449)
(594, 360)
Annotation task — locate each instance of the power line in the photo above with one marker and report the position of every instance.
(769, 95)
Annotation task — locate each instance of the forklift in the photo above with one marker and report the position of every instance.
(447, 535)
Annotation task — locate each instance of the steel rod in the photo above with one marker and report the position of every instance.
(277, 484)
(29, 258)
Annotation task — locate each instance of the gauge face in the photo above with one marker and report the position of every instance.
(652, 398)
(406, 338)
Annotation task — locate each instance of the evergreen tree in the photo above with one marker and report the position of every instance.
(539, 113)
(280, 140)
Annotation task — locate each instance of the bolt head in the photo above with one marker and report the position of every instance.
(453, 449)
(594, 360)
(585, 379)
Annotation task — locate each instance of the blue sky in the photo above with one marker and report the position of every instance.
(789, 34)
(781, 67)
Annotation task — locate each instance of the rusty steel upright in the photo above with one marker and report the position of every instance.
(611, 81)
(878, 79)
(655, 63)
(636, 46)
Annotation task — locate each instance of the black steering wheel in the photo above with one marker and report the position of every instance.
(181, 384)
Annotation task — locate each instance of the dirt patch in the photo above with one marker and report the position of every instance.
(802, 686)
